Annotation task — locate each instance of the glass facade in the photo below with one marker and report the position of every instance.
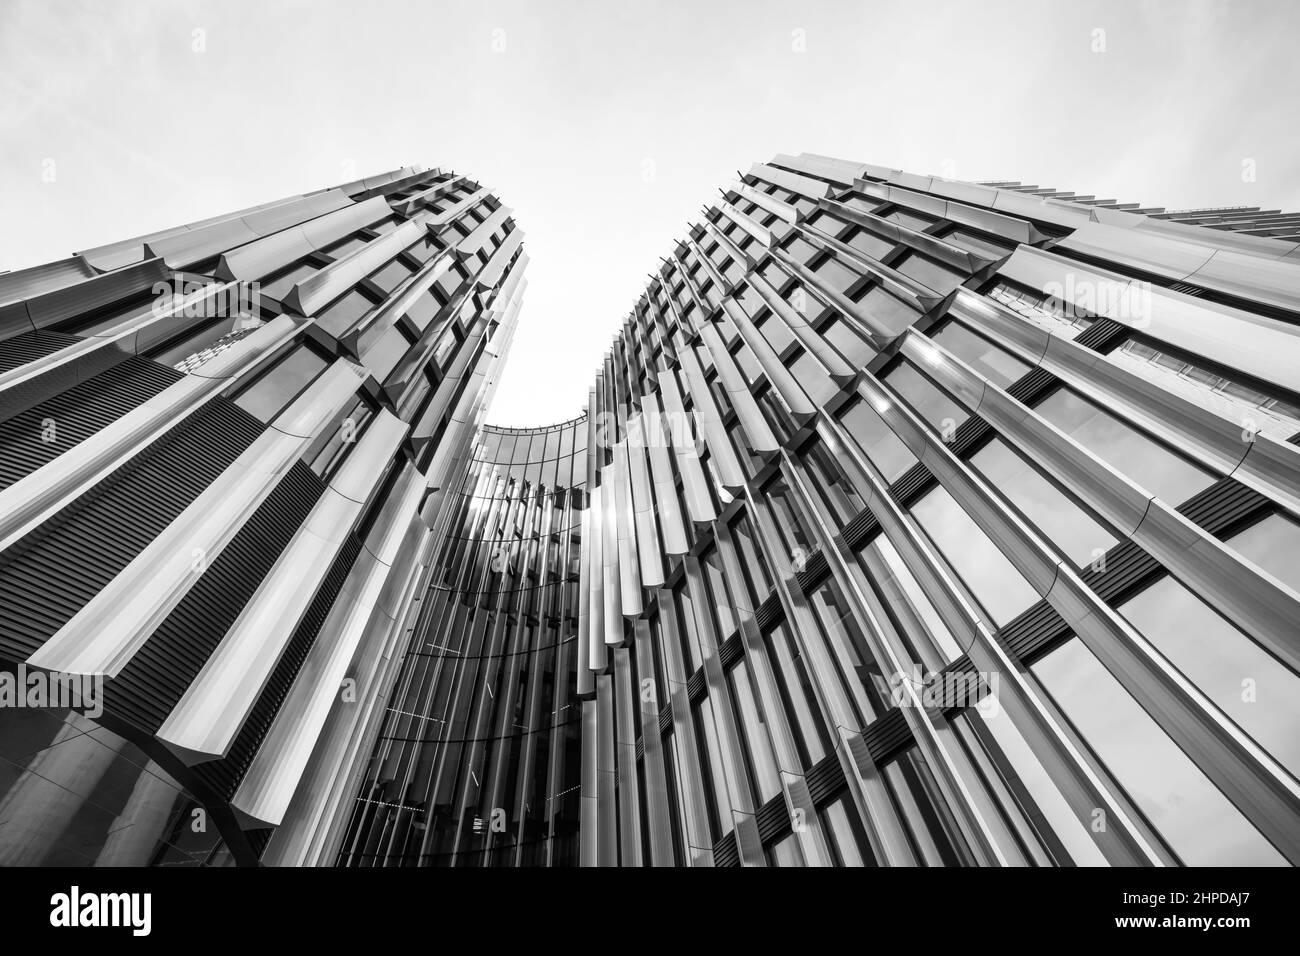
(908, 523)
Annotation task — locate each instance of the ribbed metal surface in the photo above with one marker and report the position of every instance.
(76, 414)
(225, 775)
(51, 573)
(157, 676)
(29, 346)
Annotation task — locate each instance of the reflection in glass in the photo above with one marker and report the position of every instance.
(1058, 518)
(981, 565)
(1197, 820)
(1157, 469)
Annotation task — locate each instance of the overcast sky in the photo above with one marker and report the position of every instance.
(605, 125)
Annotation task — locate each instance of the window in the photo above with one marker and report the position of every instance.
(891, 312)
(846, 340)
(785, 852)
(280, 384)
(1154, 467)
(686, 622)
(931, 404)
(1274, 545)
(1058, 518)
(1247, 682)
(752, 564)
(711, 565)
(877, 440)
(903, 595)
(840, 632)
(1199, 822)
(871, 244)
(844, 833)
(930, 273)
(838, 494)
(715, 780)
(985, 570)
(1034, 307)
(1234, 400)
(811, 737)
(762, 762)
(996, 364)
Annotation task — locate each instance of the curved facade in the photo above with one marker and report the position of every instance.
(224, 447)
(909, 522)
(478, 761)
(946, 523)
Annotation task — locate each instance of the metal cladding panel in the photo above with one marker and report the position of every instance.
(51, 573)
(151, 683)
(225, 775)
(878, 475)
(76, 414)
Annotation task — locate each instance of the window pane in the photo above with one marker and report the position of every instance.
(266, 397)
(1247, 683)
(930, 403)
(1209, 390)
(754, 727)
(1147, 462)
(796, 689)
(786, 852)
(997, 365)
(877, 440)
(845, 834)
(1274, 545)
(1058, 518)
(722, 604)
(991, 578)
(1199, 822)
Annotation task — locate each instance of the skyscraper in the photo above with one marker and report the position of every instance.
(223, 447)
(909, 522)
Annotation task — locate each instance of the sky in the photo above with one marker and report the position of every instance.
(606, 126)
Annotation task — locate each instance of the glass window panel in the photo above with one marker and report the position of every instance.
(1035, 308)
(715, 779)
(996, 364)
(871, 244)
(1046, 797)
(839, 495)
(840, 631)
(1199, 822)
(845, 834)
(930, 273)
(930, 403)
(711, 564)
(985, 570)
(754, 727)
(686, 621)
(786, 852)
(1123, 447)
(894, 314)
(752, 563)
(1059, 519)
(899, 589)
(877, 440)
(266, 397)
(848, 342)
(811, 736)
(776, 333)
(1211, 391)
(1247, 682)
(1274, 545)
(835, 275)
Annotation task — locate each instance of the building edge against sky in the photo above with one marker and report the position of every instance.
(910, 522)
